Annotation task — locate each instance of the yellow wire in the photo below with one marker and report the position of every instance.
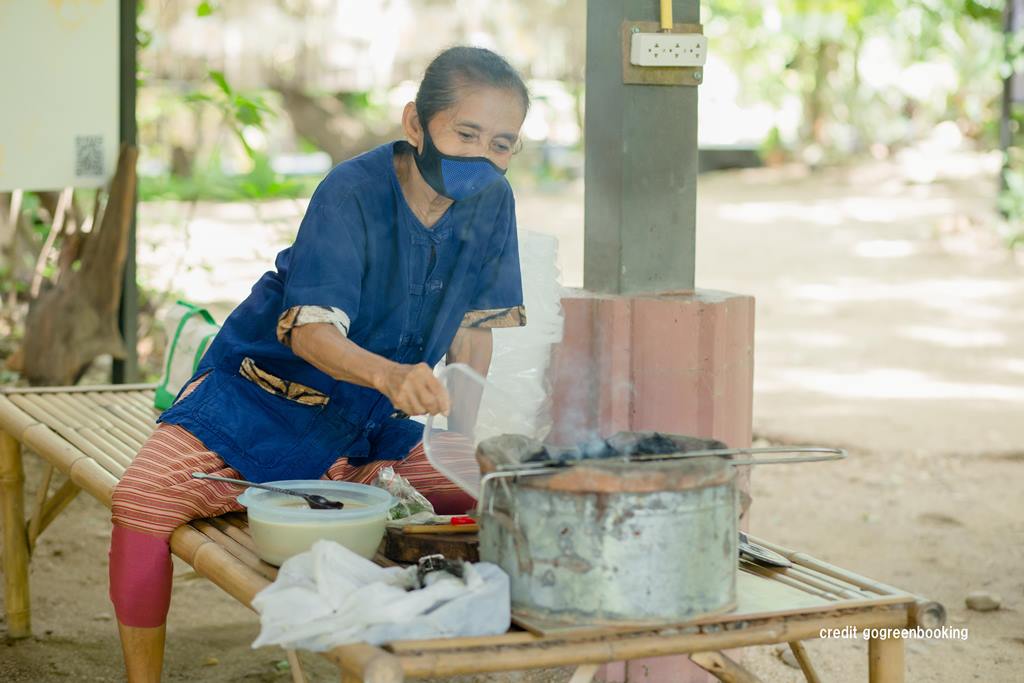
(666, 15)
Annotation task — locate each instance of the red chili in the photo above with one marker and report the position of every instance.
(462, 519)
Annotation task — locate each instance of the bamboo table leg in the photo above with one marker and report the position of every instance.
(362, 663)
(12, 482)
(722, 667)
(295, 666)
(885, 660)
(804, 661)
(584, 673)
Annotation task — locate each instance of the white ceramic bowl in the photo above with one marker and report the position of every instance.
(283, 525)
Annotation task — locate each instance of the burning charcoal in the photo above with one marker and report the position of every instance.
(557, 455)
(626, 443)
(623, 444)
(506, 450)
(598, 448)
(542, 455)
(655, 444)
(685, 444)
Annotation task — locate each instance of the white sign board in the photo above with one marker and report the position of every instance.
(58, 93)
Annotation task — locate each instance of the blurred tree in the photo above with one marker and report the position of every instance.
(819, 48)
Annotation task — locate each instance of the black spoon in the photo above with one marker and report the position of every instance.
(314, 501)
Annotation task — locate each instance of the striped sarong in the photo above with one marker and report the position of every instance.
(157, 493)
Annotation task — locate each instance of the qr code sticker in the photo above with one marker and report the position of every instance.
(88, 156)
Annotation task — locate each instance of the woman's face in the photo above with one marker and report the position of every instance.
(485, 122)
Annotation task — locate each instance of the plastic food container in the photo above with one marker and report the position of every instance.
(283, 526)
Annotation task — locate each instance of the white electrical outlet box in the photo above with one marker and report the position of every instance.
(668, 49)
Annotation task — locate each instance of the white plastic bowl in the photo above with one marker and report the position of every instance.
(283, 525)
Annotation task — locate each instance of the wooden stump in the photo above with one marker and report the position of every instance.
(71, 324)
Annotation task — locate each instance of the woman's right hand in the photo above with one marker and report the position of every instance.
(414, 390)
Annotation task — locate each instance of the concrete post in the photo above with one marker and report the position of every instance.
(641, 163)
(643, 350)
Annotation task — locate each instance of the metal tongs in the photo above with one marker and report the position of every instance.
(832, 454)
(540, 467)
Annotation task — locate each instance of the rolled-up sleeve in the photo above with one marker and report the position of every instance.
(325, 269)
(305, 315)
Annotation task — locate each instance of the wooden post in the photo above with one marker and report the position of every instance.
(127, 370)
(12, 482)
(885, 660)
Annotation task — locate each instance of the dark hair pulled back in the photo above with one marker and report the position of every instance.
(459, 67)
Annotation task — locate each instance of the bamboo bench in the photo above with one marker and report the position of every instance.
(91, 434)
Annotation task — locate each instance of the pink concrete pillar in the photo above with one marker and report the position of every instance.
(678, 362)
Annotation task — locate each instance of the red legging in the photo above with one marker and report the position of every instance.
(157, 494)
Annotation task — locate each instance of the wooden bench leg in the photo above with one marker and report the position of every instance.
(804, 661)
(295, 666)
(885, 660)
(12, 483)
(723, 667)
(362, 663)
(584, 673)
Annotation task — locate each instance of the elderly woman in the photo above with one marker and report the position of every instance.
(406, 253)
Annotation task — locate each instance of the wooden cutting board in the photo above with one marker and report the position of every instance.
(409, 548)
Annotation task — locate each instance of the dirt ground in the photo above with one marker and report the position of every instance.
(888, 322)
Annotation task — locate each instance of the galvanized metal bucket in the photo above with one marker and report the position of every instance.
(610, 540)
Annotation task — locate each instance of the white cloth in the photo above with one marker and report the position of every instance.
(329, 596)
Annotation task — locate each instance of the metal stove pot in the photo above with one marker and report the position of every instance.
(611, 539)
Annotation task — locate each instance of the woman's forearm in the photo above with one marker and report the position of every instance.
(473, 346)
(412, 389)
(328, 350)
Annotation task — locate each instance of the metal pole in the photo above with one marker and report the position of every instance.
(127, 370)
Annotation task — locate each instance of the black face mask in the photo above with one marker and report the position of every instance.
(455, 177)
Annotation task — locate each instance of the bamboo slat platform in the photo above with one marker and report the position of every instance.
(91, 434)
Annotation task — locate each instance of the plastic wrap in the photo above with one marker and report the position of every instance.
(516, 396)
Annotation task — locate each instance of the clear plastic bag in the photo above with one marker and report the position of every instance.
(410, 501)
(514, 398)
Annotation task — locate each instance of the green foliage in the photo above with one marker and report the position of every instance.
(263, 181)
(356, 101)
(815, 49)
(216, 186)
(9, 284)
(205, 8)
(772, 144)
(990, 11)
(238, 109)
(1011, 199)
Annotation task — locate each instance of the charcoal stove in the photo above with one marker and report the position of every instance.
(599, 538)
